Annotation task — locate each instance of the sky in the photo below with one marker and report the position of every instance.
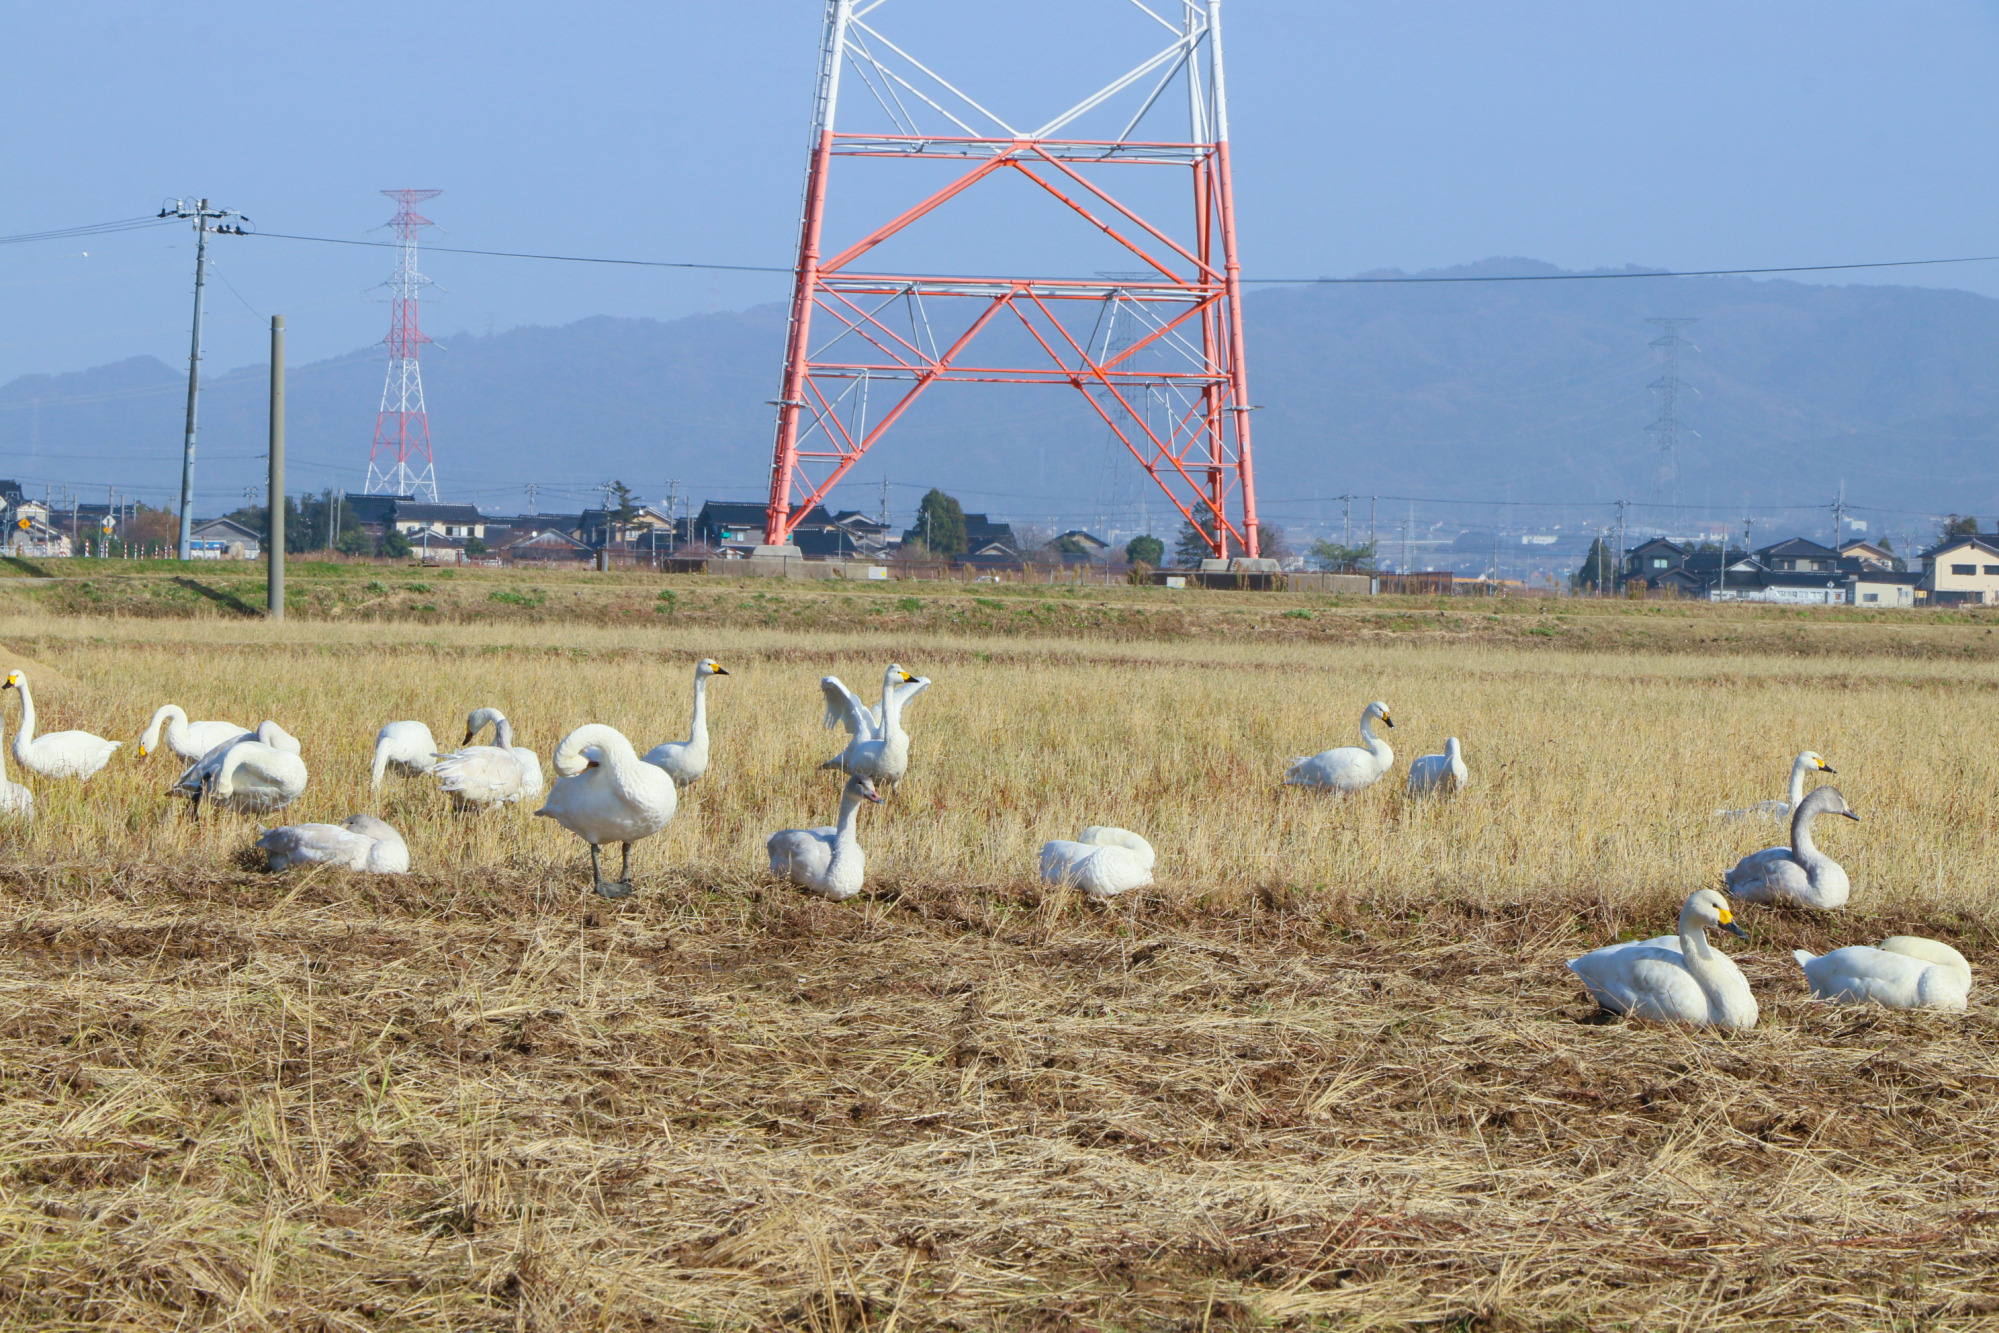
(1365, 136)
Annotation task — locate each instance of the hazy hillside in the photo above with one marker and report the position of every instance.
(1518, 391)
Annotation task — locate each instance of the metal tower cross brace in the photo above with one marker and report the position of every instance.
(1666, 430)
(852, 327)
(402, 427)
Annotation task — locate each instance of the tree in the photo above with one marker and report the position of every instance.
(1957, 525)
(475, 547)
(940, 525)
(353, 541)
(1192, 546)
(1070, 545)
(394, 544)
(1270, 544)
(1599, 570)
(1146, 550)
(1330, 555)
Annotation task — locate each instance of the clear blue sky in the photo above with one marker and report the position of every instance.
(1366, 135)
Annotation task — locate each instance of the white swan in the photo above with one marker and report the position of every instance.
(879, 748)
(826, 861)
(1690, 982)
(608, 794)
(684, 761)
(1350, 767)
(1778, 811)
(1800, 874)
(248, 775)
(1434, 772)
(408, 747)
(1906, 972)
(60, 754)
(1103, 862)
(489, 775)
(14, 798)
(360, 842)
(189, 740)
(203, 771)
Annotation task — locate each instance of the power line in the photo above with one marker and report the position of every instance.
(88, 229)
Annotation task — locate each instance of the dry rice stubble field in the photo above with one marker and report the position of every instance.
(1330, 1072)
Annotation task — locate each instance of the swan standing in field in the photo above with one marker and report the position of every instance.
(250, 776)
(1687, 982)
(408, 747)
(485, 776)
(826, 861)
(189, 740)
(359, 842)
(1906, 972)
(1778, 811)
(1800, 874)
(1103, 862)
(879, 748)
(684, 761)
(1350, 767)
(1439, 772)
(14, 798)
(60, 754)
(608, 794)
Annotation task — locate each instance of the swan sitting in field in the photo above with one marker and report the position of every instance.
(1906, 972)
(1800, 874)
(407, 747)
(685, 761)
(608, 794)
(1439, 772)
(360, 842)
(1778, 811)
(60, 754)
(485, 776)
(826, 861)
(250, 776)
(1103, 862)
(1350, 767)
(14, 798)
(189, 740)
(879, 748)
(1687, 981)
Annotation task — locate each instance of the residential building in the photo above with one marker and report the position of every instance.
(1868, 554)
(544, 543)
(741, 522)
(1964, 569)
(1886, 588)
(1798, 555)
(1093, 547)
(223, 539)
(1652, 561)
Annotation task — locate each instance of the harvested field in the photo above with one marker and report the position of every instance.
(1330, 1073)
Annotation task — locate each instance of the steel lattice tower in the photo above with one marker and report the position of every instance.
(402, 427)
(1666, 430)
(853, 327)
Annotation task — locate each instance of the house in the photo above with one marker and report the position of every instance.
(223, 539)
(444, 522)
(544, 544)
(1964, 569)
(1078, 546)
(1868, 554)
(981, 531)
(1651, 561)
(741, 523)
(869, 535)
(1750, 580)
(1798, 555)
(1872, 585)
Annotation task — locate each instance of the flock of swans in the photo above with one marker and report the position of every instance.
(605, 792)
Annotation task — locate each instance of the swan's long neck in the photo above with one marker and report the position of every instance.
(1802, 847)
(174, 719)
(1798, 771)
(892, 714)
(697, 734)
(503, 734)
(1708, 967)
(1367, 737)
(843, 829)
(27, 732)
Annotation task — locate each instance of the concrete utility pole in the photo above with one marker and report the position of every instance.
(1621, 504)
(276, 492)
(203, 217)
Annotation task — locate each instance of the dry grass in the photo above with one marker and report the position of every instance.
(1330, 1073)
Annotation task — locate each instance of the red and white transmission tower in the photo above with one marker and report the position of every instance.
(402, 427)
(852, 326)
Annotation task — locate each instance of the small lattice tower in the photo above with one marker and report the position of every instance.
(400, 461)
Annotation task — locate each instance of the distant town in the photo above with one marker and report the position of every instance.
(1959, 567)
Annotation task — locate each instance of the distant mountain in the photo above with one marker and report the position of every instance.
(1523, 391)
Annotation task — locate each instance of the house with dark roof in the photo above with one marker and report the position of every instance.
(1798, 555)
(1867, 553)
(223, 539)
(534, 543)
(1652, 561)
(741, 522)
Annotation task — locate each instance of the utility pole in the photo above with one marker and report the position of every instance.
(1346, 521)
(1620, 539)
(1839, 514)
(884, 512)
(532, 488)
(1373, 542)
(672, 507)
(203, 217)
(275, 534)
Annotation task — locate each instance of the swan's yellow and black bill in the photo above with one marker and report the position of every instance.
(1824, 767)
(718, 669)
(1727, 920)
(13, 681)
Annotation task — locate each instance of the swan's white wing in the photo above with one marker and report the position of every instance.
(64, 754)
(802, 855)
(1100, 870)
(1642, 982)
(845, 709)
(1107, 835)
(307, 844)
(1858, 974)
(275, 736)
(484, 774)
